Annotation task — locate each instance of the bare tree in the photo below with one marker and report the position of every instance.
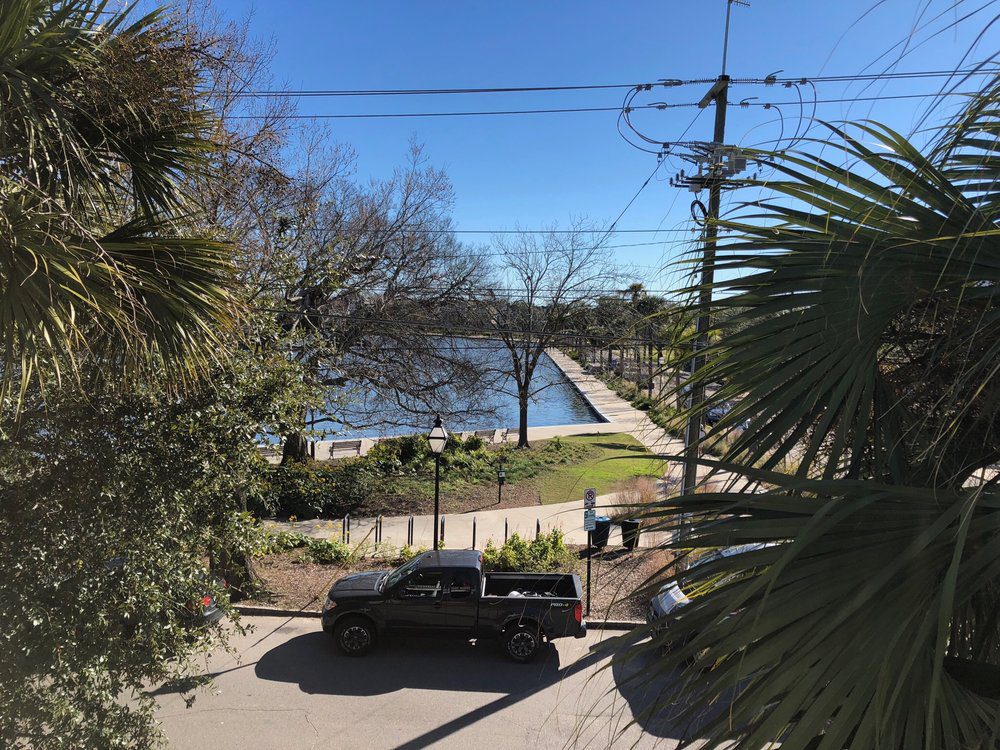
(342, 276)
(363, 302)
(538, 288)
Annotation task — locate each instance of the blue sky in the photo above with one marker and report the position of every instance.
(535, 171)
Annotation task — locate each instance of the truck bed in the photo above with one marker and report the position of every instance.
(549, 585)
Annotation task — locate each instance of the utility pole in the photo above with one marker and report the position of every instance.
(719, 93)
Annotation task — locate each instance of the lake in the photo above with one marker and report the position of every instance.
(556, 402)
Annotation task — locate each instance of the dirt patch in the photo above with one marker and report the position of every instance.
(622, 581)
(484, 497)
(297, 584)
(292, 582)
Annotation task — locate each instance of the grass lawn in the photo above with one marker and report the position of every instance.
(605, 460)
(550, 471)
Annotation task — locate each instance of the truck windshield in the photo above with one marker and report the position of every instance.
(399, 573)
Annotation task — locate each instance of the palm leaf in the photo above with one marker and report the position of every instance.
(861, 337)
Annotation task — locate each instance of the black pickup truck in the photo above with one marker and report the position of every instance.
(447, 594)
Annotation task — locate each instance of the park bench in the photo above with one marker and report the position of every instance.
(353, 446)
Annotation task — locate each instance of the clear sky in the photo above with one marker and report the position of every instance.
(536, 170)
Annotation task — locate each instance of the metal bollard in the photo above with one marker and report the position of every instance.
(409, 532)
(473, 532)
(505, 530)
(442, 532)
(538, 528)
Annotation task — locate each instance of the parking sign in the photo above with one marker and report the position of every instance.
(589, 519)
(589, 497)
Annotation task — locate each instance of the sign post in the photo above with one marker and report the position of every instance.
(589, 524)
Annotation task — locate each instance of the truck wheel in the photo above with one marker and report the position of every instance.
(521, 642)
(354, 636)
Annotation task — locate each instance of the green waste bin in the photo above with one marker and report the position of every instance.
(602, 530)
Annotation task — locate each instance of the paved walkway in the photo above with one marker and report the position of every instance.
(469, 530)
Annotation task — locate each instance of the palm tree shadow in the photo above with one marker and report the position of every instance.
(651, 699)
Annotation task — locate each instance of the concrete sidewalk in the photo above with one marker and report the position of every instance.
(458, 528)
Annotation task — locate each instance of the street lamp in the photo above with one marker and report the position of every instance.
(437, 438)
(501, 478)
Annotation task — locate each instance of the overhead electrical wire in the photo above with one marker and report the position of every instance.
(479, 113)
(426, 230)
(844, 100)
(667, 82)
(447, 327)
(626, 108)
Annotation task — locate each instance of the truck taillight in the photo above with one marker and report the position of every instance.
(578, 612)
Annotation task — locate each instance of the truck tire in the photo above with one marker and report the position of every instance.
(354, 636)
(521, 642)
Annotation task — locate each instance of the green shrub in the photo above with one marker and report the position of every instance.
(474, 444)
(407, 553)
(315, 489)
(546, 553)
(281, 541)
(327, 551)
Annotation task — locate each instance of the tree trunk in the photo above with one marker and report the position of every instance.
(239, 572)
(237, 569)
(522, 423)
(295, 449)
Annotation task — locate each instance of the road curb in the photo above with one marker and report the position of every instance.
(613, 624)
(249, 609)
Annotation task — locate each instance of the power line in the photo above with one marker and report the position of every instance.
(571, 110)
(426, 230)
(439, 92)
(897, 76)
(436, 326)
(389, 115)
(884, 97)
(671, 82)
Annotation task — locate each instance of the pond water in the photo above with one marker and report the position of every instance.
(556, 402)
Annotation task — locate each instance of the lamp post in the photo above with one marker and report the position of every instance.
(438, 438)
(501, 478)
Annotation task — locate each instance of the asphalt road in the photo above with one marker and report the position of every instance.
(288, 687)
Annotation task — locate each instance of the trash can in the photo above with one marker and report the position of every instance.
(602, 529)
(630, 533)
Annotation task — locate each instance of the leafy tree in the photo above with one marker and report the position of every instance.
(119, 495)
(117, 511)
(862, 342)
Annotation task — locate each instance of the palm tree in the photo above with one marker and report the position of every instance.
(863, 343)
(99, 128)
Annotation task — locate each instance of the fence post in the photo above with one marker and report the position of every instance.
(473, 532)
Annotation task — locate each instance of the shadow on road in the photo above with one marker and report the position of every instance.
(648, 696)
(313, 661)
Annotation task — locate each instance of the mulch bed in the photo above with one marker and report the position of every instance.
(295, 584)
(619, 578)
